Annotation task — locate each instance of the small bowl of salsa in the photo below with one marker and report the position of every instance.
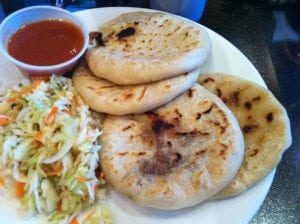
(43, 40)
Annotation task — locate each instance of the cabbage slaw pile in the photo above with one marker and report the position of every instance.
(49, 146)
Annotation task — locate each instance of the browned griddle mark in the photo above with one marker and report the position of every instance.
(110, 35)
(91, 88)
(143, 93)
(126, 128)
(255, 151)
(195, 132)
(248, 105)
(106, 87)
(217, 123)
(269, 117)
(234, 98)
(224, 100)
(177, 28)
(136, 23)
(141, 153)
(190, 93)
(224, 145)
(158, 126)
(129, 31)
(148, 137)
(256, 98)
(122, 153)
(161, 164)
(127, 95)
(178, 157)
(219, 92)
(164, 158)
(223, 152)
(177, 112)
(207, 80)
(208, 110)
(96, 36)
(201, 152)
(127, 46)
(92, 36)
(198, 116)
(249, 128)
(176, 120)
(223, 129)
(139, 183)
(99, 90)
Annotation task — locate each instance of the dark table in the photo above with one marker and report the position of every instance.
(268, 33)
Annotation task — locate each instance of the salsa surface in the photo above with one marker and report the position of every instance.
(46, 42)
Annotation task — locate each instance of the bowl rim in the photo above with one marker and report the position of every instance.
(24, 65)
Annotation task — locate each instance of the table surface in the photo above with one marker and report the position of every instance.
(270, 38)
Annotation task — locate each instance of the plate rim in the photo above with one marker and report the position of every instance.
(270, 177)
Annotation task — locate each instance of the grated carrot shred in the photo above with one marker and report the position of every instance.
(51, 117)
(74, 221)
(2, 182)
(4, 120)
(20, 189)
(25, 90)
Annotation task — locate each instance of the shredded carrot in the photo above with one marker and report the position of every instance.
(74, 221)
(75, 101)
(69, 111)
(81, 179)
(20, 189)
(50, 118)
(58, 206)
(53, 173)
(3, 120)
(25, 90)
(57, 169)
(38, 135)
(57, 165)
(38, 143)
(2, 182)
(37, 138)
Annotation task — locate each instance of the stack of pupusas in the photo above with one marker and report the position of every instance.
(168, 142)
(142, 61)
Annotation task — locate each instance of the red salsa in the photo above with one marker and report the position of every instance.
(46, 42)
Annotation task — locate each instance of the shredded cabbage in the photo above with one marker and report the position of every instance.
(99, 215)
(52, 145)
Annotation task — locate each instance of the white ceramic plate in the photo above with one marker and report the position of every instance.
(239, 210)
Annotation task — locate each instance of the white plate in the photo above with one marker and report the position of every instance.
(224, 58)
